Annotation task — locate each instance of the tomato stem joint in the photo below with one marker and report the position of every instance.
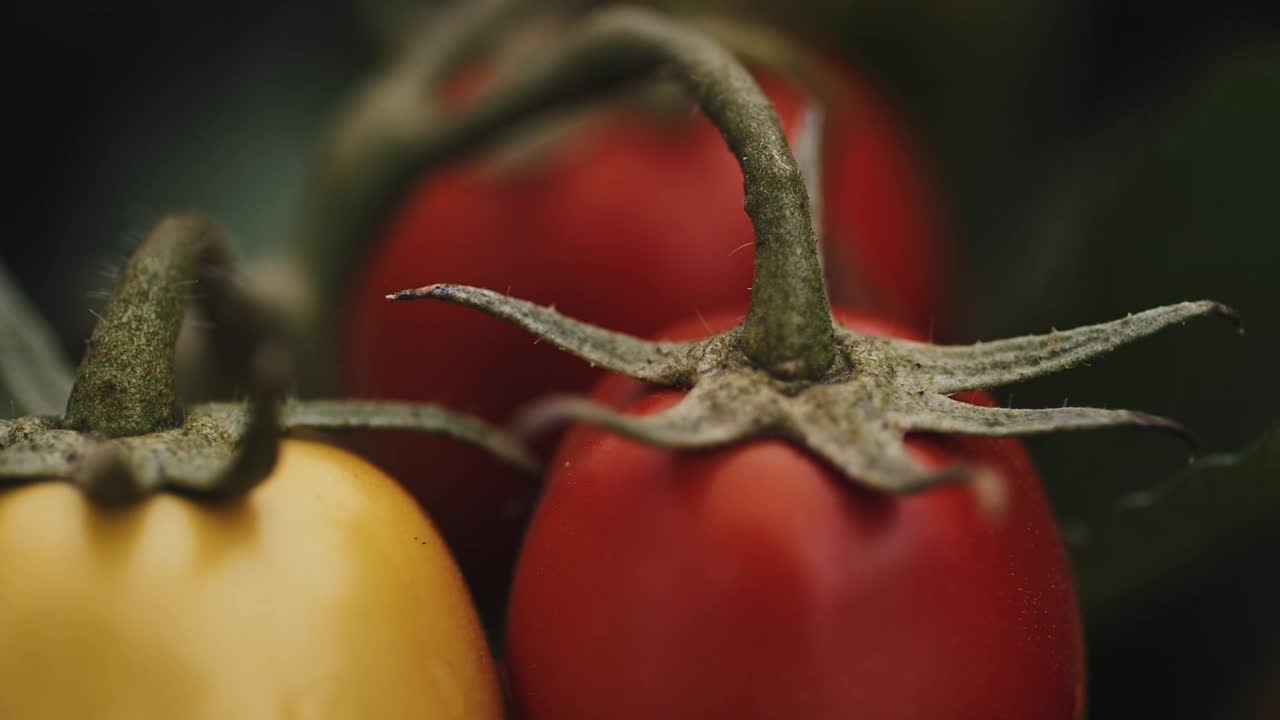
(788, 371)
(124, 436)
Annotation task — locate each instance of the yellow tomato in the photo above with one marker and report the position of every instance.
(325, 593)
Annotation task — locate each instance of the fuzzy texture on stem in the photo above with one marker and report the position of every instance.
(222, 450)
(857, 415)
(788, 330)
(125, 385)
(122, 437)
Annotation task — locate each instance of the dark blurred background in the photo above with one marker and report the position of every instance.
(1097, 158)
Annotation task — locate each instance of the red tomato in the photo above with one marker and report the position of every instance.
(751, 582)
(632, 223)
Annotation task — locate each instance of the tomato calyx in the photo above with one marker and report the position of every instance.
(222, 449)
(123, 435)
(857, 415)
(788, 370)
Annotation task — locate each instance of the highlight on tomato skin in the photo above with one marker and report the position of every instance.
(752, 582)
(633, 221)
(324, 593)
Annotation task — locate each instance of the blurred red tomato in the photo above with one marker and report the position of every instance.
(751, 582)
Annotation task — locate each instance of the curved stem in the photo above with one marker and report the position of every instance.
(258, 448)
(125, 384)
(125, 390)
(788, 330)
(460, 35)
(765, 45)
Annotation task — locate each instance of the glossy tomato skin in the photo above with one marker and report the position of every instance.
(751, 582)
(323, 594)
(631, 222)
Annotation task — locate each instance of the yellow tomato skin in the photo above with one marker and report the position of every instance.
(325, 593)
